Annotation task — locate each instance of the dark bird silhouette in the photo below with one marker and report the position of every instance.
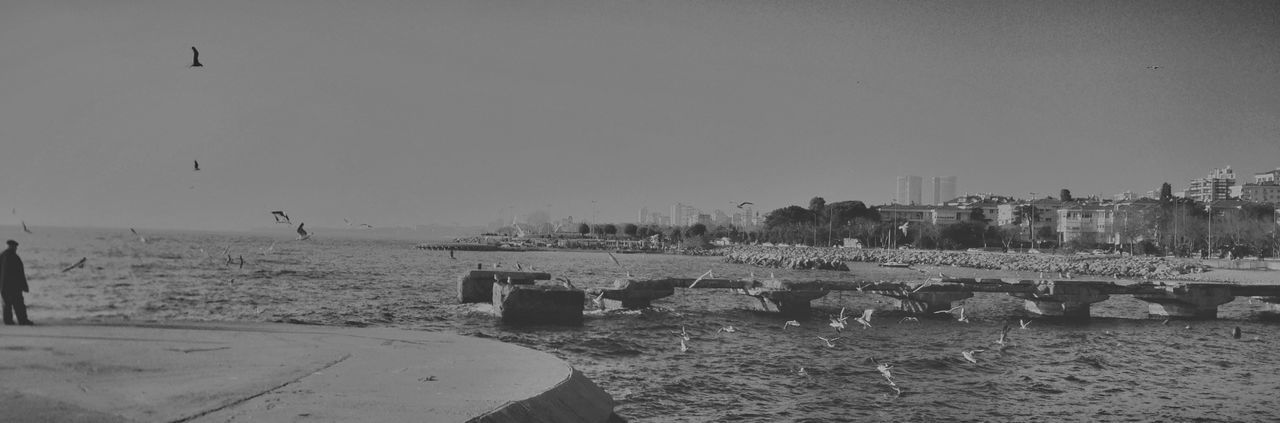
(77, 265)
(197, 165)
(1153, 67)
(302, 233)
(281, 217)
(24, 227)
(195, 58)
(744, 203)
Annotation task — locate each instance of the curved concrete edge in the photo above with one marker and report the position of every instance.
(242, 371)
(576, 399)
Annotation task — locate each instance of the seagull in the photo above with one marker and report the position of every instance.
(197, 165)
(24, 227)
(519, 267)
(884, 370)
(866, 318)
(79, 264)
(683, 335)
(790, 323)
(1153, 67)
(599, 300)
(829, 341)
(569, 284)
(837, 323)
(727, 329)
(140, 237)
(801, 372)
(968, 355)
(195, 58)
(950, 310)
(962, 318)
(268, 249)
(918, 288)
(1024, 323)
(683, 347)
(302, 233)
(281, 217)
(744, 203)
(1004, 335)
(366, 225)
(909, 319)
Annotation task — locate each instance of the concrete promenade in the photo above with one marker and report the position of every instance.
(220, 372)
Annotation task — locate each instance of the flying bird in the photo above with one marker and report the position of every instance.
(683, 335)
(790, 323)
(683, 347)
(727, 329)
(1004, 335)
(909, 319)
(195, 58)
(865, 319)
(968, 355)
(281, 217)
(1024, 323)
(599, 300)
(744, 204)
(1153, 67)
(302, 233)
(79, 264)
(569, 284)
(196, 164)
(140, 237)
(829, 341)
(24, 227)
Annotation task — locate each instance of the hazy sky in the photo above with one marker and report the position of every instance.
(440, 111)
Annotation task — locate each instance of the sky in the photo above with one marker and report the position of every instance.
(415, 112)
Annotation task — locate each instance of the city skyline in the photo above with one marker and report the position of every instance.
(405, 113)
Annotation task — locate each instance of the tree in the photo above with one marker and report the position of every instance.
(630, 229)
(1065, 194)
(610, 229)
(695, 230)
(643, 232)
(584, 229)
(673, 234)
(790, 215)
(817, 205)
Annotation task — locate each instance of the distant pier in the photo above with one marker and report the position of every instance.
(1070, 299)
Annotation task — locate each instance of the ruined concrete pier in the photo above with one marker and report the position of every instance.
(476, 286)
(1196, 300)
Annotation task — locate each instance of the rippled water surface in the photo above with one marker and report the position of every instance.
(1120, 366)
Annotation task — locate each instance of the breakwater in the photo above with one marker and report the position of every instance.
(836, 258)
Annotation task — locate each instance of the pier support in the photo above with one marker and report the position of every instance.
(1069, 299)
(537, 304)
(636, 294)
(789, 303)
(924, 303)
(1195, 301)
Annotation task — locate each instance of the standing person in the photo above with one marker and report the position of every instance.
(13, 282)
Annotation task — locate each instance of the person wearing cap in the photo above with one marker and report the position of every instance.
(13, 282)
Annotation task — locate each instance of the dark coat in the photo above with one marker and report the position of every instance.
(13, 278)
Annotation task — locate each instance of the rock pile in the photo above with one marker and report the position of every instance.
(835, 259)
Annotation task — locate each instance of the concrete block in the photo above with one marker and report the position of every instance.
(476, 286)
(538, 304)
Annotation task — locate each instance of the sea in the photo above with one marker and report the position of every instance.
(1121, 365)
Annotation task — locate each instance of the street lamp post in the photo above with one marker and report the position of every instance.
(1208, 208)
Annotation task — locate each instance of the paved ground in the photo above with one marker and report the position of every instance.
(206, 372)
